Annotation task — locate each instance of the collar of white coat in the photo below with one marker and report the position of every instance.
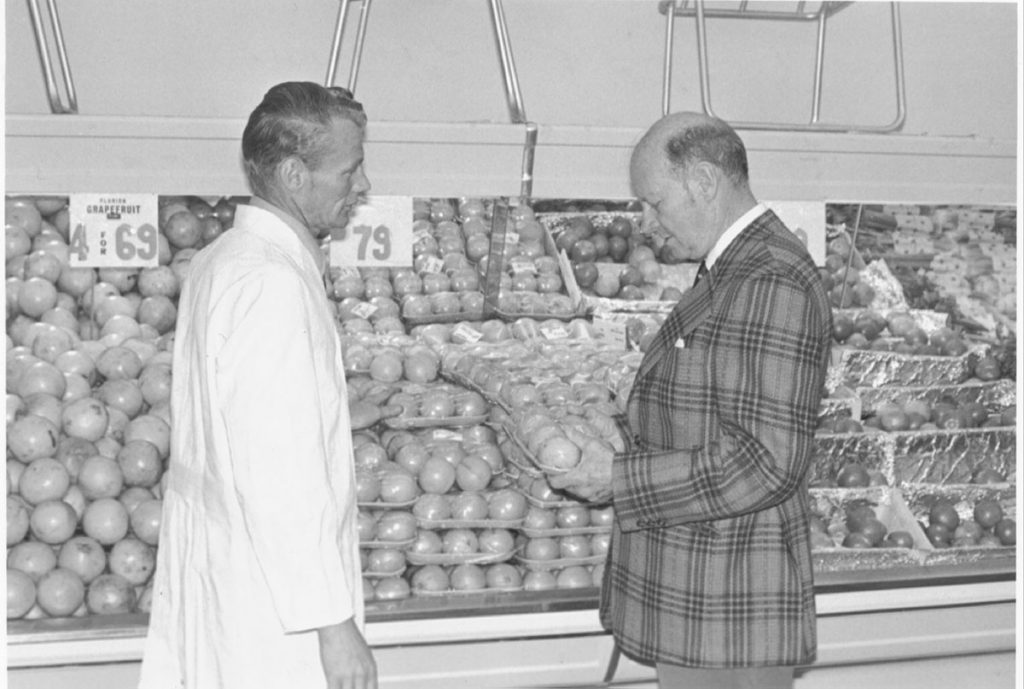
(300, 239)
(733, 231)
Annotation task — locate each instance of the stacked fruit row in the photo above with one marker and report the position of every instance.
(88, 422)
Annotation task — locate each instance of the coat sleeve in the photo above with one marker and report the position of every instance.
(273, 395)
(768, 367)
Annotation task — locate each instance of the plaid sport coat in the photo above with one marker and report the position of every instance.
(710, 562)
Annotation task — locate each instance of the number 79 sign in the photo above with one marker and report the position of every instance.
(379, 233)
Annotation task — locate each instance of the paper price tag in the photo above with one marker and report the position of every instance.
(431, 264)
(113, 231)
(466, 333)
(522, 265)
(554, 332)
(378, 234)
(364, 309)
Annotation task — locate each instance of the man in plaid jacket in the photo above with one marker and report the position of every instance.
(709, 574)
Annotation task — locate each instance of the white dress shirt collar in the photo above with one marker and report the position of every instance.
(732, 232)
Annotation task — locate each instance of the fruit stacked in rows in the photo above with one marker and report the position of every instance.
(612, 258)
(88, 422)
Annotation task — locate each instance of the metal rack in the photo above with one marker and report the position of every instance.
(53, 93)
(513, 95)
(816, 12)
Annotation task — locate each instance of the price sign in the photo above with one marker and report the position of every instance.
(378, 234)
(113, 231)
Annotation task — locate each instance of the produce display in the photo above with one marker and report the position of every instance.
(493, 377)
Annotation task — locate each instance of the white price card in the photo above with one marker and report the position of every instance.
(113, 231)
(379, 233)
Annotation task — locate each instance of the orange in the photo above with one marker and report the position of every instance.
(60, 592)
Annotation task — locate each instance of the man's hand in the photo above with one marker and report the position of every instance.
(346, 659)
(591, 479)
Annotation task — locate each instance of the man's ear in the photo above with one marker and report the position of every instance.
(292, 173)
(704, 178)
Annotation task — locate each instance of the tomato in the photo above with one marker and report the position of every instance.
(496, 541)
(874, 529)
(856, 539)
(396, 525)
(385, 560)
(898, 539)
(398, 486)
(539, 518)
(574, 577)
(427, 542)
(858, 514)
(939, 535)
(367, 486)
(853, 475)
(469, 506)
(431, 578)
(459, 542)
(541, 548)
(503, 575)
(574, 546)
(540, 580)
(437, 475)
(467, 577)
(944, 513)
(988, 512)
(1006, 531)
(507, 504)
(391, 588)
(473, 473)
(559, 452)
(573, 517)
(432, 507)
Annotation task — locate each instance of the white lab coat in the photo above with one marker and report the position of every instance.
(258, 545)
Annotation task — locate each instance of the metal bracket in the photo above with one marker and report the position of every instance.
(513, 95)
(339, 28)
(806, 12)
(52, 92)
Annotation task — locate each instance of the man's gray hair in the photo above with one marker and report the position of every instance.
(294, 119)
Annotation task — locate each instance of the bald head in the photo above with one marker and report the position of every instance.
(689, 172)
(679, 140)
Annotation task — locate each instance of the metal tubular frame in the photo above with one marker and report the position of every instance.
(52, 91)
(513, 95)
(672, 8)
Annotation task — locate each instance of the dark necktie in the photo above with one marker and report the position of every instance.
(702, 270)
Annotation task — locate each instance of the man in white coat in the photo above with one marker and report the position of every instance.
(258, 579)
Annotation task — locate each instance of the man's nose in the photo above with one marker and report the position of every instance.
(648, 222)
